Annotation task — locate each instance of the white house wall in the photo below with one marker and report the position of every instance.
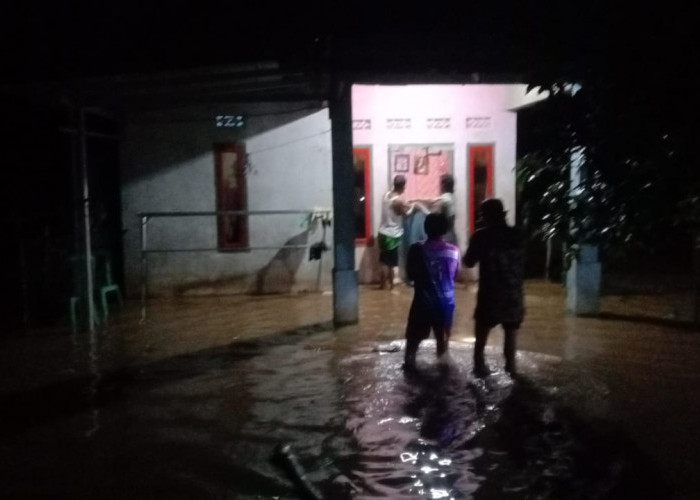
(374, 105)
(168, 166)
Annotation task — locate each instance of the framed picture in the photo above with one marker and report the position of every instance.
(401, 162)
(420, 165)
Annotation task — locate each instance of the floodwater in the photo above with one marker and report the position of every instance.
(213, 423)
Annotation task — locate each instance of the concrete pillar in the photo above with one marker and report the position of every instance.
(696, 279)
(345, 294)
(583, 277)
(583, 282)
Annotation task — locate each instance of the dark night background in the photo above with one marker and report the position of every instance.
(640, 62)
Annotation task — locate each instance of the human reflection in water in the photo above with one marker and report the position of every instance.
(437, 403)
(506, 438)
(447, 419)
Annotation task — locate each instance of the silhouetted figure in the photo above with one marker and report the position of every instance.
(497, 248)
(432, 265)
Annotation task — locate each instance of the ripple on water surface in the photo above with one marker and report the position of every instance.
(208, 425)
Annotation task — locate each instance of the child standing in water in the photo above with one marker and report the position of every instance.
(432, 265)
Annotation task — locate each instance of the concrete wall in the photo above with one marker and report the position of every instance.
(168, 165)
(374, 105)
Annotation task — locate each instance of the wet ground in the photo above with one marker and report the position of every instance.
(199, 401)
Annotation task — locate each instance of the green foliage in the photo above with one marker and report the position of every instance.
(639, 186)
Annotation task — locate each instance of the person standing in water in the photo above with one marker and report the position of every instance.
(391, 229)
(498, 249)
(432, 265)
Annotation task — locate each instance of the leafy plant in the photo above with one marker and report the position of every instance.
(637, 188)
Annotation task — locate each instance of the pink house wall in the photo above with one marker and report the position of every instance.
(405, 118)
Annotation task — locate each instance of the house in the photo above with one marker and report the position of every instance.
(180, 164)
(229, 175)
(424, 131)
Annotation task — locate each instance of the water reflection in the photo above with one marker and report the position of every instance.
(436, 432)
(210, 424)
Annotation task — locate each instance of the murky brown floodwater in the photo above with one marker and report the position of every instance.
(208, 425)
(197, 402)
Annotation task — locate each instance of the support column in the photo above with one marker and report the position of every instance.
(90, 281)
(345, 294)
(583, 277)
(583, 282)
(696, 279)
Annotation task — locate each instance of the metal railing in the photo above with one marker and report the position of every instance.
(324, 215)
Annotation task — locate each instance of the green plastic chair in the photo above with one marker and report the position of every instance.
(74, 302)
(109, 286)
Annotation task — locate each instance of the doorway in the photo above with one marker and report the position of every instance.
(479, 180)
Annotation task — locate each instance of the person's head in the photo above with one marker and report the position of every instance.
(435, 225)
(492, 211)
(399, 183)
(447, 183)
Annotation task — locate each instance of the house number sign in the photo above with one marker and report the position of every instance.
(230, 121)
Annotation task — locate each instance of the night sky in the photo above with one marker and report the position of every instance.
(55, 40)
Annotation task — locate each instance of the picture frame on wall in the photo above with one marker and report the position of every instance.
(420, 166)
(401, 163)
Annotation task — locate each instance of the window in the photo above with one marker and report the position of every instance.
(231, 194)
(361, 163)
(480, 158)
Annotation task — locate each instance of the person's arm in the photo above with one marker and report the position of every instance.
(420, 206)
(471, 258)
(458, 269)
(413, 262)
(429, 205)
(400, 207)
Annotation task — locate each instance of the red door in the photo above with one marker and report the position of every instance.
(480, 180)
(231, 194)
(362, 167)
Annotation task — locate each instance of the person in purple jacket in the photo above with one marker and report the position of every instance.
(432, 265)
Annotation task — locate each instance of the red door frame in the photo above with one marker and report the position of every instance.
(365, 152)
(473, 151)
(231, 199)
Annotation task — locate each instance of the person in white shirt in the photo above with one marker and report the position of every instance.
(394, 208)
(444, 204)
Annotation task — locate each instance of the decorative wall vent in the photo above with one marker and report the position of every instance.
(439, 123)
(479, 122)
(362, 124)
(398, 123)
